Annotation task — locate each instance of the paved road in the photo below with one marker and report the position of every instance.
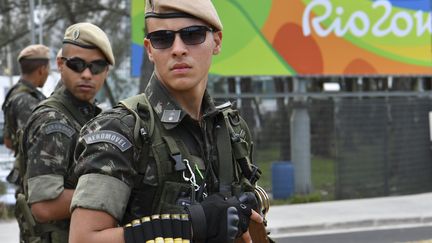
(393, 235)
(9, 232)
(319, 218)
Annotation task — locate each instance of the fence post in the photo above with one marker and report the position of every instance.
(300, 140)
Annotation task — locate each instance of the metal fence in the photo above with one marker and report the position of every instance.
(364, 144)
(382, 146)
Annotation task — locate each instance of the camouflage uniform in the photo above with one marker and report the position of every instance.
(50, 139)
(21, 99)
(114, 176)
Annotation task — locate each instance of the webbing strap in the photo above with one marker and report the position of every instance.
(198, 220)
(67, 110)
(175, 153)
(225, 158)
(132, 104)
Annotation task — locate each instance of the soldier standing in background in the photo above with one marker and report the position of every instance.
(51, 134)
(170, 151)
(19, 103)
(24, 96)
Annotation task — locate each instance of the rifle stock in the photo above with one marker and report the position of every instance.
(257, 232)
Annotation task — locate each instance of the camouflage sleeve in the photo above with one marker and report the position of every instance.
(105, 156)
(22, 107)
(50, 143)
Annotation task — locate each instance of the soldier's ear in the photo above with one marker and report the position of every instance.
(148, 47)
(41, 69)
(217, 37)
(60, 63)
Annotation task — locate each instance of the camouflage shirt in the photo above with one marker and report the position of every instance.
(50, 140)
(112, 177)
(21, 99)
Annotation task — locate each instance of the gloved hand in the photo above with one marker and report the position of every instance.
(248, 202)
(219, 219)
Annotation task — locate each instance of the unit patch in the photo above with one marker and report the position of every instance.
(53, 127)
(110, 137)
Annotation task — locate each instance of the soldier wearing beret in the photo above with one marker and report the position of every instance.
(20, 101)
(53, 128)
(170, 151)
(24, 96)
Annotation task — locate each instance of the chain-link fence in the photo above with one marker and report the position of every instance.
(382, 146)
(362, 144)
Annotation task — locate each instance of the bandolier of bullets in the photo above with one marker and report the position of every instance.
(164, 228)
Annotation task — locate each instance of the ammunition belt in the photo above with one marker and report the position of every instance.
(164, 228)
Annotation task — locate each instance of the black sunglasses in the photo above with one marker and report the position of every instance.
(79, 65)
(192, 35)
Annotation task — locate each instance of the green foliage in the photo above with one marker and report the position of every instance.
(297, 198)
(2, 187)
(313, 197)
(323, 177)
(6, 211)
(264, 159)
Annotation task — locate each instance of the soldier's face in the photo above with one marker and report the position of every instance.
(182, 67)
(83, 85)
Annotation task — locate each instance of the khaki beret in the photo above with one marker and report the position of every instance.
(37, 51)
(201, 9)
(60, 52)
(87, 35)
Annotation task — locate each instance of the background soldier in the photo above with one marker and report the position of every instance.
(24, 96)
(170, 150)
(52, 131)
(18, 104)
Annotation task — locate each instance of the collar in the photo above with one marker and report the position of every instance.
(27, 83)
(85, 108)
(22, 83)
(167, 109)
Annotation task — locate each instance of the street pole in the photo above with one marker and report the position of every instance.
(32, 24)
(41, 21)
(300, 140)
(9, 65)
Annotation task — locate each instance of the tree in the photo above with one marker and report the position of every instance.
(113, 16)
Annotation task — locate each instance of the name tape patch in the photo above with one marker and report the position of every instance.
(110, 137)
(59, 127)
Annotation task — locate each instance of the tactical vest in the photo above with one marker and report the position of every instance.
(170, 155)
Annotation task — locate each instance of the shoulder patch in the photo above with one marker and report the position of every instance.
(115, 138)
(53, 127)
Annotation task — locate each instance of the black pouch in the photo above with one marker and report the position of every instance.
(174, 197)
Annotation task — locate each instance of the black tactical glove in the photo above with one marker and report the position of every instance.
(248, 202)
(219, 219)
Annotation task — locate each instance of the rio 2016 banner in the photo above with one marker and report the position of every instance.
(316, 37)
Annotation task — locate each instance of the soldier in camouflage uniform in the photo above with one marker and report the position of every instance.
(161, 152)
(52, 131)
(19, 103)
(24, 96)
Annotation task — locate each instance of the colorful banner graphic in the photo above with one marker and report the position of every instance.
(137, 34)
(316, 37)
